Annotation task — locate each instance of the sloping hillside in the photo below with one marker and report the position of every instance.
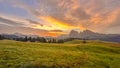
(74, 54)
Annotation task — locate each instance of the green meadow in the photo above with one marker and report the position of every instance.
(73, 54)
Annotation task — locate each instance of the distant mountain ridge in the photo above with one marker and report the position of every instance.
(87, 34)
(90, 35)
(17, 35)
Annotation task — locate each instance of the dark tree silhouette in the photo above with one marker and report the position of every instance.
(60, 41)
(84, 41)
(54, 41)
(2, 37)
(29, 39)
(42, 39)
(25, 39)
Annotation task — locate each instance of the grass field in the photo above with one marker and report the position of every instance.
(73, 54)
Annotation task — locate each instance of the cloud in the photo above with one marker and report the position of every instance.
(115, 21)
(10, 22)
(28, 30)
(17, 21)
(24, 30)
(73, 14)
(55, 32)
(53, 13)
(34, 22)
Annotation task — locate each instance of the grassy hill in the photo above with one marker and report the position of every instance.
(73, 54)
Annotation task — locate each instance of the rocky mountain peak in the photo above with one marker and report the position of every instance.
(74, 34)
(87, 31)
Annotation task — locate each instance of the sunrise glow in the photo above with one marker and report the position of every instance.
(44, 16)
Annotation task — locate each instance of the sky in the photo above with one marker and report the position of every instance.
(57, 17)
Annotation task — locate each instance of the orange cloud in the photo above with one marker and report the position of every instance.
(54, 34)
(57, 23)
(42, 27)
(96, 20)
(71, 14)
(61, 25)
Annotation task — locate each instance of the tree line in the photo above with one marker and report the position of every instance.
(2, 37)
(41, 39)
(33, 39)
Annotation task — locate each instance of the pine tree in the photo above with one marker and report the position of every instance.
(43, 40)
(60, 41)
(0, 37)
(54, 40)
(29, 39)
(25, 39)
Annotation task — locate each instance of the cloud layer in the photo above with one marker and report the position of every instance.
(64, 15)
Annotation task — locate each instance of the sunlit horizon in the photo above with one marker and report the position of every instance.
(58, 17)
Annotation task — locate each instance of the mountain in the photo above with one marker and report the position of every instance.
(23, 35)
(87, 34)
(9, 36)
(90, 35)
(63, 36)
(17, 35)
(74, 34)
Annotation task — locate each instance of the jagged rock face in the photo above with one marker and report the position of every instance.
(87, 34)
(84, 34)
(74, 34)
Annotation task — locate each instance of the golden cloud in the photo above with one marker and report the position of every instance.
(71, 14)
